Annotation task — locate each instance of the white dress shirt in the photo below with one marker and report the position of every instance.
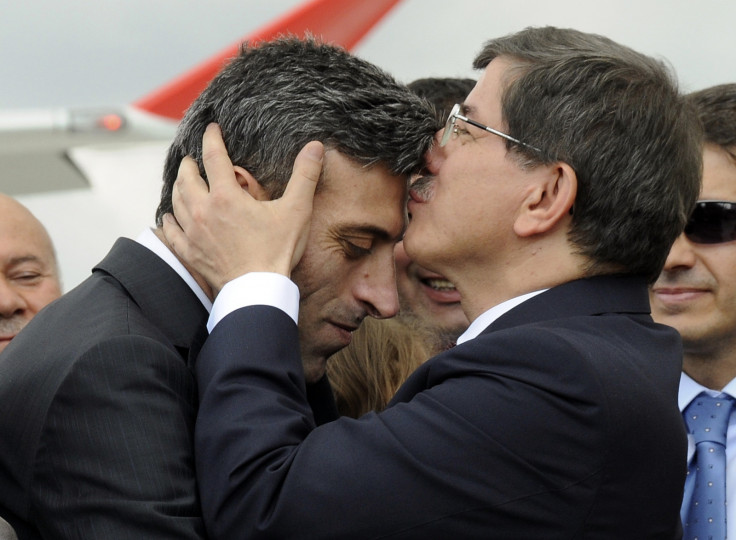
(487, 317)
(256, 288)
(148, 239)
(689, 389)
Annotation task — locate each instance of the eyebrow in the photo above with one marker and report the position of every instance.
(372, 230)
(24, 259)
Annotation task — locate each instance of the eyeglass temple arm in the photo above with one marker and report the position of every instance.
(495, 132)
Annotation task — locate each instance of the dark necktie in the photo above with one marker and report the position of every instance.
(704, 515)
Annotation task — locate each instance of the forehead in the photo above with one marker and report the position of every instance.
(21, 235)
(352, 195)
(719, 174)
(484, 101)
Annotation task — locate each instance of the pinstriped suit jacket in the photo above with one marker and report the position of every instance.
(98, 407)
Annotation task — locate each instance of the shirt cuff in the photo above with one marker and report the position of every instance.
(256, 289)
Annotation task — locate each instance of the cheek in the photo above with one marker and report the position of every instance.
(401, 258)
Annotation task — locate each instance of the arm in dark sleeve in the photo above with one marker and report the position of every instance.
(442, 461)
(322, 400)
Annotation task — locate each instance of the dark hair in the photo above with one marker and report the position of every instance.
(716, 108)
(275, 97)
(617, 118)
(442, 93)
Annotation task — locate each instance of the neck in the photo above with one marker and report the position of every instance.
(713, 369)
(528, 270)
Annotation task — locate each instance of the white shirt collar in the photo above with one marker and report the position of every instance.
(486, 318)
(148, 239)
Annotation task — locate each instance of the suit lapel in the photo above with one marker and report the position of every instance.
(160, 293)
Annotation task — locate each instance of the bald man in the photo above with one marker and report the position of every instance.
(29, 276)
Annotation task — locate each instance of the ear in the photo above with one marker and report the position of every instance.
(248, 182)
(548, 202)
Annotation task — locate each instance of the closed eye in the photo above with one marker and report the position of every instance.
(354, 251)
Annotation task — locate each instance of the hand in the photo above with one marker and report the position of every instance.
(223, 233)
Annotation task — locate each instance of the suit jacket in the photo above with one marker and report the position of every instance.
(559, 421)
(98, 407)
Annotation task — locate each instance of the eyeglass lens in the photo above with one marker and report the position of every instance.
(712, 222)
(450, 125)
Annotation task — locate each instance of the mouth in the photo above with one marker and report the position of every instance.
(678, 295)
(421, 188)
(415, 197)
(440, 290)
(344, 331)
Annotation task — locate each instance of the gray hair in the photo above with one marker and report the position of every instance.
(275, 97)
(617, 118)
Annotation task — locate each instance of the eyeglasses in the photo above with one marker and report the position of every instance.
(712, 222)
(451, 128)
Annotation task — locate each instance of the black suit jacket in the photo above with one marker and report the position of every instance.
(98, 407)
(559, 421)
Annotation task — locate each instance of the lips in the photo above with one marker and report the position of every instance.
(439, 289)
(674, 296)
(415, 197)
(345, 331)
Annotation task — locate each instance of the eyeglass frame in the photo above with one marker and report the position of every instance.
(454, 116)
(725, 207)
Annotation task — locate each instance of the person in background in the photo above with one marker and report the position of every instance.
(98, 392)
(29, 273)
(551, 201)
(442, 93)
(696, 294)
(366, 374)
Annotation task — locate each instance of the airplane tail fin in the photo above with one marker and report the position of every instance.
(343, 22)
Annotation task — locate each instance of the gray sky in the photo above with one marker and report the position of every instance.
(111, 52)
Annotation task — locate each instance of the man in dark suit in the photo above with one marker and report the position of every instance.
(550, 200)
(98, 392)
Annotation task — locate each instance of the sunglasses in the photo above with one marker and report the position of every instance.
(712, 222)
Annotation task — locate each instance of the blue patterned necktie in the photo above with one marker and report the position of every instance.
(704, 515)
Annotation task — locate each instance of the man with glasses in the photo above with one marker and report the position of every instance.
(696, 294)
(551, 201)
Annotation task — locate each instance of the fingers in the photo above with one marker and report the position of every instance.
(174, 234)
(305, 175)
(217, 164)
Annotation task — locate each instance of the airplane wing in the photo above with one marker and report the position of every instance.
(343, 22)
(91, 176)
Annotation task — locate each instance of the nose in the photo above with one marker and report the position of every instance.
(682, 255)
(376, 290)
(435, 155)
(11, 302)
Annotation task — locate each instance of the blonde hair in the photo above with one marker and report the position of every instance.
(383, 353)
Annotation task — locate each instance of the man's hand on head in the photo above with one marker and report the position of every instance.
(223, 232)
